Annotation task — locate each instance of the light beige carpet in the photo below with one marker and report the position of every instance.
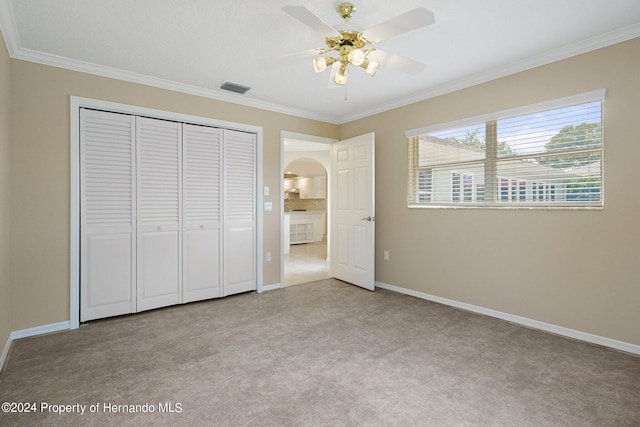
(319, 354)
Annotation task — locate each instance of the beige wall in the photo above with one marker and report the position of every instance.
(5, 307)
(577, 269)
(40, 175)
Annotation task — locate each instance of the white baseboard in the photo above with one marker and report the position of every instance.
(40, 330)
(272, 287)
(5, 352)
(31, 332)
(535, 324)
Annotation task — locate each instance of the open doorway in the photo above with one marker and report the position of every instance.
(306, 167)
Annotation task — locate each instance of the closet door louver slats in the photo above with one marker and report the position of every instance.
(159, 172)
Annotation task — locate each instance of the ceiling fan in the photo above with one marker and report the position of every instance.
(352, 47)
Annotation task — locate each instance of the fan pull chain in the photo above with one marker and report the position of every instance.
(345, 93)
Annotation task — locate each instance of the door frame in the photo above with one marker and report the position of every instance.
(284, 135)
(74, 225)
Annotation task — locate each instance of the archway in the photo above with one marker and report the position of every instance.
(305, 209)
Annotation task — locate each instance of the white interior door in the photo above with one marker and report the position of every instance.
(352, 203)
(239, 207)
(159, 243)
(202, 182)
(107, 214)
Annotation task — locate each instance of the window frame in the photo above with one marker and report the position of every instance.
(548, 195)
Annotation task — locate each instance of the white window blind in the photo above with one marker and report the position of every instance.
(541, 158)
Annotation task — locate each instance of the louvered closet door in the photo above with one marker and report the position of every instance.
(107, 211)
(202, 183)
(239, 212)
(159, 165)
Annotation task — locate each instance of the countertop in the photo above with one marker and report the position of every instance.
(304, 212)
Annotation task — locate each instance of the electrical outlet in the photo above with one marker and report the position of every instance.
(268, 256)
(386, 255)
(268, 206)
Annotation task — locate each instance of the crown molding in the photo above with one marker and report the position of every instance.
(114, 73)
(584, 46)
(8, 28)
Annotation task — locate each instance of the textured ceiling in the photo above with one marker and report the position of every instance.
(194, 45)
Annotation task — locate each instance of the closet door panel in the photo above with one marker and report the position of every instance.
(107, 214)
(109, 271)
(159, 172)
(239, 212)
(158, 269)
(202, 186)
(239, 250)
(202, 264)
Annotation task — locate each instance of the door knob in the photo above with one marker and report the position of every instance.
(369, 218)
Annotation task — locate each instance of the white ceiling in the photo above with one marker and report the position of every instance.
(194, 45)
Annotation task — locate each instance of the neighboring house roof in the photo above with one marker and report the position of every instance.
(587, 170)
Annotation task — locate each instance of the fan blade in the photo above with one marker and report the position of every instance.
(290, 57)
(412, 20)
(397, 62)
(307, 17)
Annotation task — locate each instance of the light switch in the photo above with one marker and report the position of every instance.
(268, 206)
(266, 190)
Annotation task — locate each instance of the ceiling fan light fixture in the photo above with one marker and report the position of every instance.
(352, 46)
(320, 63)
(370, 67)
(356, 57)
(341, 75)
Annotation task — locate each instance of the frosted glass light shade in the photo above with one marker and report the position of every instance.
(370, 67)
(356, 57)
(341, 75)
(321, 63)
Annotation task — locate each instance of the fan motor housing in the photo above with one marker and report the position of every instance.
(348, 38)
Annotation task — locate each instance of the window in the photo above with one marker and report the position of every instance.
(467, 187)
(424, 185)
(455, 187)
(546, 155)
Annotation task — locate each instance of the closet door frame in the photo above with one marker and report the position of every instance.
(76, 103)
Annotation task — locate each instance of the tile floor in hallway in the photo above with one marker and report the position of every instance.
(306, 262)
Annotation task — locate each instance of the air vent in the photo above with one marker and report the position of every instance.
(234, 87)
